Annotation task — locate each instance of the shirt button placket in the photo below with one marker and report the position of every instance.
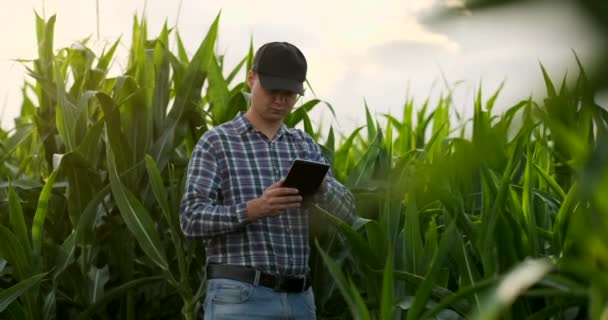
(273, 160)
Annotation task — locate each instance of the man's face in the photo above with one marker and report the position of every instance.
(270, 105)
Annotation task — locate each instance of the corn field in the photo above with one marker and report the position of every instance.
(504, 216)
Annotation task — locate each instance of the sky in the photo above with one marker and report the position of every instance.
(375, 52)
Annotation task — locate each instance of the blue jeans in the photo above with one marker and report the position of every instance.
(231, 299)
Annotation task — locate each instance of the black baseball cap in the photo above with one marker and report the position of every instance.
(280, 66)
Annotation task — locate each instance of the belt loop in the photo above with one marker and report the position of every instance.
(304, 283)
(256, 281)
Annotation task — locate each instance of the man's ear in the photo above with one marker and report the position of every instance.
(250, 78)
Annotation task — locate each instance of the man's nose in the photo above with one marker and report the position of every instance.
(280, 96)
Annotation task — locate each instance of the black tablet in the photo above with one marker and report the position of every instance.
(306, 176)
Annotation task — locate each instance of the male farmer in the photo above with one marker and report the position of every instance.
(255, 231)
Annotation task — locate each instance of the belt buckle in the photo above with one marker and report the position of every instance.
(278, 284)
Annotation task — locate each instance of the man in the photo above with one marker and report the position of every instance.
(255, 231)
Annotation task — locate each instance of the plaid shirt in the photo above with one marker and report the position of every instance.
(235, 163)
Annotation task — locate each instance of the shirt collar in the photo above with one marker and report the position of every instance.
(242, 125)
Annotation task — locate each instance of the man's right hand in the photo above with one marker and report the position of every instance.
(273, 202)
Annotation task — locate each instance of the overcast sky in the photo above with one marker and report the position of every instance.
(356, 50)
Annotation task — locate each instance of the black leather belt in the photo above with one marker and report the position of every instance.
(256, 277)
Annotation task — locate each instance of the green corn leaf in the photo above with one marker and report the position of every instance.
(106, 57)
(430, 242)
(249, 57)
(82, 184)
(366, 166)
(117, 292)
(308, 127)
(364, 253)
(424, 291)
(371, 128)
(158, 188)
(550, 87)
(492, 100)
(463, 293)
(40, 215)
(552, 310)
(297, 115)
(162, 85)
(181, 50)
(236, 70)
(565, 211)
(7, 296)
(414, 252)
(330, 144)
(387, 302)
(116, 138)
(97, 281)
(218, 93)
(49, 309)
(345, 286)
(136, 217)
(550, 181)
(527, 205)
(66, 255)
(84, 230)
(45, 34)
(515, 283)
(361, 307)
(12, 251)
(67, 112)
(17, 219)
(187, 97)
(89, 148)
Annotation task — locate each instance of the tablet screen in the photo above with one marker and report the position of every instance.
(306, 176)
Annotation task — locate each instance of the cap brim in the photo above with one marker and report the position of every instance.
(276, 83)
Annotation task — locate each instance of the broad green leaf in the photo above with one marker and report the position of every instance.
(218, 92)
(527, 205)
(116, 138)
(7, 296)
(89, 148)
(424, 291)
(67, 113)
(349, 292)
(362, 250)
(136, 217)
(66, 255)
(82, 184)
(97, 281)
(565, 211)
(106, 57)
(181, 50)
(162, 198)
(40, 215)
(117, 292)
(17, 220)
(187, 97)
(464, 292)
(514, 284)
(12, 251)
(371, 128)
(387, 300)
(162, 85)
(158, 188)
(550, 181)
(414, 253)
(550, 88)
(330, 143)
